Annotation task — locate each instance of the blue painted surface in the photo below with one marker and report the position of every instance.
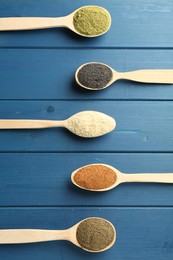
(50, 73)
(37, 82)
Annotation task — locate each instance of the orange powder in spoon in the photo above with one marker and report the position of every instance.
(95, 177)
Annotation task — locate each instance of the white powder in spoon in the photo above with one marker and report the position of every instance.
(90, 124)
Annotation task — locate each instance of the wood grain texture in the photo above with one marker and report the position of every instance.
(43, 179)
(138, 237)
(37, 82)
(49, 74)
(134, 24)
(141, 126)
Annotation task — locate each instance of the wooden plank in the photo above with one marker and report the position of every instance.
(134, 24)
(142, 233)
(49, 74)
(37, 82)
(146, 127)
(43, 179)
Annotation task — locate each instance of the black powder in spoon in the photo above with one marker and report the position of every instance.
(95, 234)
(94, 75)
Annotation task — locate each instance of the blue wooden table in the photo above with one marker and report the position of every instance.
(37, 82)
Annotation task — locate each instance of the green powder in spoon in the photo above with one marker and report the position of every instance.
(95, 234)
(91, 20)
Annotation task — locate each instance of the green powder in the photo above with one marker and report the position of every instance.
(95, 234)
(92, 20)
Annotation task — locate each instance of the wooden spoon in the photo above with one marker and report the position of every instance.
(122, 177)
(31, 23)
(164, 76)
(84, 124)
(21, 236)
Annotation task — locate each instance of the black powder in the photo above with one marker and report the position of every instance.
(94, 75)
(95, 234)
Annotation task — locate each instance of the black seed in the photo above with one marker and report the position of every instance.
(94, 75)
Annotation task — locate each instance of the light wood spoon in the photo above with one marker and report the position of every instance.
(84, 124)
(22, 236)
(32, 23)
(120, 177)
(164, 76)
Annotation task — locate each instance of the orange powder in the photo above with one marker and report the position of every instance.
(95, 177)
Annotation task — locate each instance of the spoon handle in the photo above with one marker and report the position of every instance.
(148, 76)
(149, 177)
(25, 124)
(30, 23)
(20, 236)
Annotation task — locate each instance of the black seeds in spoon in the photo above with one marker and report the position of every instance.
(94, 75)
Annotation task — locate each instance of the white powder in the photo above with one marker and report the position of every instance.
(90, 124)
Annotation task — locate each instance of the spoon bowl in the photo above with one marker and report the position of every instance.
(71, 21)
(90, 124)
(76, 227)
(32, 23)
(84, 177)
(98, 76)
(21, 236)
